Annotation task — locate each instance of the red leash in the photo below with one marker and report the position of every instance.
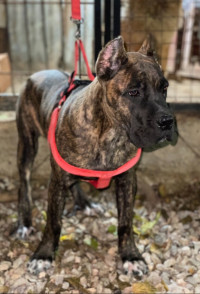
(103, 177)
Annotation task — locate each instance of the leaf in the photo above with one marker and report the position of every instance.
(112, 229)
(143, 288)
(66, 237)
(44, 214)
(136, 231)
(147, 226)
(91, 242)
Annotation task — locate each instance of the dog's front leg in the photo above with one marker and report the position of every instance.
(43, 256)
(133, 262)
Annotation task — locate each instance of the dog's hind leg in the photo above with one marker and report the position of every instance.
(27, 149)
(28, 132)
(133, 262)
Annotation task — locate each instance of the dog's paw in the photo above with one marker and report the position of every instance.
(24, 232)
(36, 266)
(93, 209)
(137, 268)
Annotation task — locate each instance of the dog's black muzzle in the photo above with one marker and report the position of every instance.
(165, 122)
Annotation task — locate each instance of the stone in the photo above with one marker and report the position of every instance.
(174, 250)
(166, 278)
(194, 280)
(83, 281)
(19, 282)
(154, 278)
(19, 261)
(5, 265)
(197, 289)
(160, 239)
(124, 278)
(127, 290)
(185, 250)
(65, 285)
(170, 262)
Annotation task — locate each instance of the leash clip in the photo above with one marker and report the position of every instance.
(78, 23)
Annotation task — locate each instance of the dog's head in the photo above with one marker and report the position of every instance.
(136, 91)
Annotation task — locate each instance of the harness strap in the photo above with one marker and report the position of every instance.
(76, 11)
(103, 177)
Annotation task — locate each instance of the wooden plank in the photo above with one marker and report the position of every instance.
(8, 102)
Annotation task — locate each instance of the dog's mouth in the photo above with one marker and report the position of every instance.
(167, 137)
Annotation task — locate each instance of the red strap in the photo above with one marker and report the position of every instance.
(76, 10)
(104, 176)
(79, 44)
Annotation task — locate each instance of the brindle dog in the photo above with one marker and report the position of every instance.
(100, 127)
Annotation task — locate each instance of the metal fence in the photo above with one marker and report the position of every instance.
(39, 35)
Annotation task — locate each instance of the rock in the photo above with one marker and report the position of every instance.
(106, 290)
(166, 278)
(19, 282)
(65, 285)
(181, 282)
(194, 280)
(19, 261)
(197, 289)
(5, 265)
(196, 246)
(154, 278)
(77, 259)
(170, 262)
(155, 259)
(95, 272)
(91, 290)
(174, 250)
(112, 251)
(174, 288)
(57, 279)
(124, 278)
(83, 281)
(42, 275)
(186, 251)
(1, 281)
(40, 286)
(160, 239)
(160, 267)
(147, 257)
(127, 290)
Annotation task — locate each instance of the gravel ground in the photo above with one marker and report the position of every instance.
(167, 232)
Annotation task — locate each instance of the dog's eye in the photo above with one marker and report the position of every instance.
(133, 93)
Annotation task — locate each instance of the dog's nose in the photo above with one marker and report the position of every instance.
(165, 122)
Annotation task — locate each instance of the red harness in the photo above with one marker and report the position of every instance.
(103, 177)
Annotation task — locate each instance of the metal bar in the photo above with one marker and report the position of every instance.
(107, 21)
(116, 18)
(45, 43)
(9, 50)
(28, 45)
(62, 27)
(97, 30)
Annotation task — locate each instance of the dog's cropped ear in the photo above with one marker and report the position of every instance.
(147, 47)
(110, 59)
